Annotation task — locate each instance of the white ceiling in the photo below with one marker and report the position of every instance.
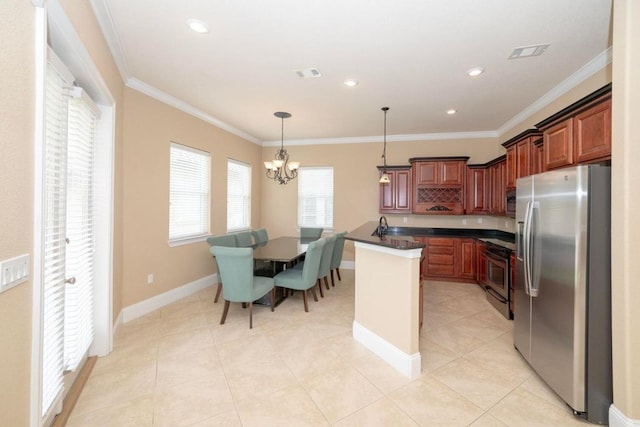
(409, 55)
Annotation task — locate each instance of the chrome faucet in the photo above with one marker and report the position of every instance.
(383, 227)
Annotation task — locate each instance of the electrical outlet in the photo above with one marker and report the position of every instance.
(404, 219)
(464, 222)
(479, 220)
(149, 279)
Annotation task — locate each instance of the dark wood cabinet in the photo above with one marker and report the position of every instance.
(481, 263)
(395, 196)
(519, 160)
(438, 185)
(581, 133)
(537, 157)
(450, 258)
(477, 190)
(497, 179)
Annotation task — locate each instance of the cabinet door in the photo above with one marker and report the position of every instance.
(466, 268)
(395, 197)
(477, 191)
(498, 187)
(452, 173)
(426, 173)
(387, 194)
(512, 166)
(537, 159)
(592, 133)
(558, 145)
(523, 159)
(481, 263)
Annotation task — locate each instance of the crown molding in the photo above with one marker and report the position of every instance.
(164, 97)
(586, 71)
(105, 20)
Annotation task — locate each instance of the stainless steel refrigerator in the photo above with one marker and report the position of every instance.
(562, 313)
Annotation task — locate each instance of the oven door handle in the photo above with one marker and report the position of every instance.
(497, 258)
(495, 294)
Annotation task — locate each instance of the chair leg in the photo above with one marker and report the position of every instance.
(224, 312)
(218, 292)
(326, 282)
(304, 299)
(333, 284)
(251, 315)
(273, 299)
(315, 296)
(319, 282)
(338, 272)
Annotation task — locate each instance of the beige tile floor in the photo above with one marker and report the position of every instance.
(179, 367)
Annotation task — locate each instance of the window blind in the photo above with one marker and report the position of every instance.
(78, 317)
(315, 197)
(188, 192)
(238, 195)
(54, 230)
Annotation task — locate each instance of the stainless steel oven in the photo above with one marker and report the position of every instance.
(498, 275)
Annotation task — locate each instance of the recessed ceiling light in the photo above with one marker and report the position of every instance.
(451, 112)
(351, 83)
(476, 71)
(198, 26)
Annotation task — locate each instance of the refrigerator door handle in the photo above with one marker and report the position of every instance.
(526, 249)
(533, 278)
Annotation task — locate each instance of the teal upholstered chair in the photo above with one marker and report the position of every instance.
(244, 239)
(240, 285)
(260, 235)
(304, 278)
(226, 240)
(336, 259)
(310, 232)
(325, 262)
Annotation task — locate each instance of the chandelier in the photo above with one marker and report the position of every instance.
(281, 170)
(384, 179)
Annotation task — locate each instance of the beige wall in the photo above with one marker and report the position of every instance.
(16, 192)
(149, 126)
(625, 207)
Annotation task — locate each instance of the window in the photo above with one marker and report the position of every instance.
(315, 197)
(188, 193)
(238, 195)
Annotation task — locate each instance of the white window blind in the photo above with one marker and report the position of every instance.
(54, 231)
(315, 197)
(78, 320)
(238, 195)
(188, 193)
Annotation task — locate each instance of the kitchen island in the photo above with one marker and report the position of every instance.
(387, 296)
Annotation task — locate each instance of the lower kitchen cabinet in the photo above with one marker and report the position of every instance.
(481, 263)
(450, 258)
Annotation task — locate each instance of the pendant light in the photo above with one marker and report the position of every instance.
(384, 179)
(281, 170)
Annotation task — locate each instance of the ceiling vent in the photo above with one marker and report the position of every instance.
(308, 73)
(526, 51)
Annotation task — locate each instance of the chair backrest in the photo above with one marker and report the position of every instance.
(327, 254)
(312, 261)
(224, 240)
(244, 239)
(260, 235)
(338, 249)
(236, 271)
(310, 232)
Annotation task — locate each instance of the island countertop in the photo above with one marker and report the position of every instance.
(403, 237)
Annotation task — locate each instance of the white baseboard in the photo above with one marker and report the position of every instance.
(618, 419)
(408, 365)
(141, 308)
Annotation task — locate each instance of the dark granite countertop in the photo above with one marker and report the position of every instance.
(402, 237)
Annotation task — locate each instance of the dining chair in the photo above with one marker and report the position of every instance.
(260, 235)
(226, 240)
(303, 279)
(325, 263)
(336, 259)
(244, 239)
(310, 232)
(240, 285)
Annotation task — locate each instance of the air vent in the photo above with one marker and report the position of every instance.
(308, 73)
(526, 51)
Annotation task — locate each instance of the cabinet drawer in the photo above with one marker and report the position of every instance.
(440, 270)
(441, 259)
(440, 241)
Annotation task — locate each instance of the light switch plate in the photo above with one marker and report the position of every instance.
(14, 271)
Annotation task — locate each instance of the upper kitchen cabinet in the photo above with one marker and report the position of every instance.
(497, 184)
(580, 133)
(395, 196)
(537, 156)
(478, 194)
(520, 156)
(438, 185)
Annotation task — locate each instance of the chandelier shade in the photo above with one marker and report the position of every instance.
(384, 179)
(280, 169)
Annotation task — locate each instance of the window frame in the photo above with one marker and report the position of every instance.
(246, 204)
(203, 185)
